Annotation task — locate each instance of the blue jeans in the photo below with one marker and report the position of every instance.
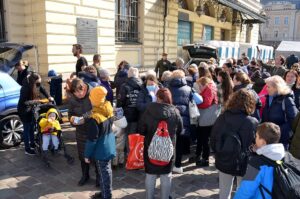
(28, 134)
(105, 178)
(165, 185)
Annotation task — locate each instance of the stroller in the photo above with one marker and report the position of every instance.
(39, 112)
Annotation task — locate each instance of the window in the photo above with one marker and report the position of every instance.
(2, 23)
(286, 20)
(276, 34)
(277, 21)
(183, 4)
(126, 21)
(184, 33)
(208, 33)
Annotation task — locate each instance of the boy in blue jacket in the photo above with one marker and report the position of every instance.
(259, 171)
(100, 145)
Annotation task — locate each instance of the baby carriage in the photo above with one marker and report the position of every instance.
(39, 112)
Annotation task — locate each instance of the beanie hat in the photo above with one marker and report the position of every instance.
(133, 72)
(97, 95)
(51, 73)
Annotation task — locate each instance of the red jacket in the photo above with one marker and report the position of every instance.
(209, 95)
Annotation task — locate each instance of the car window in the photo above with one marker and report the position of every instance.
(9, 85)
(1, 92)
(202, 52)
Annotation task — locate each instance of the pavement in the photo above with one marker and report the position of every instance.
(27, 177)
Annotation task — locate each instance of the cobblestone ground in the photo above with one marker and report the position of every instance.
(23, 176)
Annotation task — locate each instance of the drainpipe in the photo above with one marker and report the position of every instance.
(164, 27)
(294, 32)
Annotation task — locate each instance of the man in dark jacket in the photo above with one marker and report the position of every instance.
(181, 94)
(278, 69)
(81, 61)
(127, 99)
(163, 65)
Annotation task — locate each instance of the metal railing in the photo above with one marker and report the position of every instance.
(126, 28)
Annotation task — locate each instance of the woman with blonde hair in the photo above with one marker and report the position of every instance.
(280, 107)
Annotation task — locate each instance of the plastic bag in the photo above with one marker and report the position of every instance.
(135, 158)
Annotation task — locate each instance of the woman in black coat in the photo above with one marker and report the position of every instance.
(181, 93)
(30, 92)
(80, 106)
(280, 107)
(235, 120)
(156, 112)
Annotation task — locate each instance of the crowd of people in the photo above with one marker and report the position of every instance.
(247, 110)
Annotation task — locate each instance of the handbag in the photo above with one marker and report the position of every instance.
(107, 146)
(161, 148)
(135, 158)
(193, 109)
(208, 116)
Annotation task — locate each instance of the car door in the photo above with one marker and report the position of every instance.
(2, 99)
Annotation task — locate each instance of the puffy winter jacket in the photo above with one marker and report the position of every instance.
(275, 113)
(181, 93)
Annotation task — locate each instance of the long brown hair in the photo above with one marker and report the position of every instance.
(226, 85)
(33, 90)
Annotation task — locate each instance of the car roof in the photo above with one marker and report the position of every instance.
(198, 45)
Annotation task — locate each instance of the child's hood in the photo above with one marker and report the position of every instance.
(272, 151)
(52, 110)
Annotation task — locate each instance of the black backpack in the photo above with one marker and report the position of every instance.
(286, 179)
(230, 156)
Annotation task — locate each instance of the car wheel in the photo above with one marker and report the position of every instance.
(11, 130)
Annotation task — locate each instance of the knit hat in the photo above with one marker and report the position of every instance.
(97, 95)
(51, 73)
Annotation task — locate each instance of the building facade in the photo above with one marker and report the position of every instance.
(132, 30)
(283, 22)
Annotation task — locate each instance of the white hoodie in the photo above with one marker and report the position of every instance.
(272, 151)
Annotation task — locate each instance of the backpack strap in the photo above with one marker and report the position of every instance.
(262, 188)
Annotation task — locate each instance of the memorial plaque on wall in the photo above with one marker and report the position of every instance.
(87, 35)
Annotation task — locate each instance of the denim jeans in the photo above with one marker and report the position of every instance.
(28, 134)
(105, 178)
(46, 141)
(165, 185)
(225, 184)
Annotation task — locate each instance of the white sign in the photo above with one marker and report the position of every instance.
(87, 35)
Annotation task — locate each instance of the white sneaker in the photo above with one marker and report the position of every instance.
(178, 170)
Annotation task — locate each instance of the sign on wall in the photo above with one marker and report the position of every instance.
(87, 35)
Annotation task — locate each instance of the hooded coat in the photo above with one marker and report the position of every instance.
(46, 125)
(156, 112)
(181, 93)
(260, 171)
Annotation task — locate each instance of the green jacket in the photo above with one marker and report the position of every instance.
(162, 66)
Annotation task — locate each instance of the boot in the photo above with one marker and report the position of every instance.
(85, 173)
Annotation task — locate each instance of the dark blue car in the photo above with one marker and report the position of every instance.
(11, 127)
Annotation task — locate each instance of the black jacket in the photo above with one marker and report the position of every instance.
(181, 94)
(24, 110)
(284, 119)
(120, 78)
(156, 112)
(127, 98)
(238, 121)
(144, 99)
